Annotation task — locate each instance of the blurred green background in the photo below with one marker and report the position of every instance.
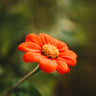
(72, 21)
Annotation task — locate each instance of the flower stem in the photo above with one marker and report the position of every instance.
(10, 90)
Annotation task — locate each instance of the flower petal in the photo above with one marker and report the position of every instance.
(47, 65)
(32, 57)
(29, 46)
(68, 52)
(62, 66)
(60, 45)
(72, 52)
(46, 39)
(69, 59)
(34, 38)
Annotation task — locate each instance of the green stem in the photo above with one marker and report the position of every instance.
(10, 90)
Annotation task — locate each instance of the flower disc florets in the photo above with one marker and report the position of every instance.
(50, 51)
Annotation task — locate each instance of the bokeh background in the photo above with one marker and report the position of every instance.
(72, 21)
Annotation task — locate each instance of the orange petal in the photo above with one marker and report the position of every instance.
(47, 65)
(60, 45)
(72, 52)
(32, 57)
(68, 52)
(46, 39)
(62, 66)
(29, 46)
(34, 38)
(69, 59)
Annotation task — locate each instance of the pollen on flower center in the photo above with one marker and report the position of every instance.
(50, 51)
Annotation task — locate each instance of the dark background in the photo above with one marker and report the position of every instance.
(72, 21)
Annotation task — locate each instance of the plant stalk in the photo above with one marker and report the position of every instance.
(10, 90)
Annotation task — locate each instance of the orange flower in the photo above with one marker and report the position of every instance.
(51, 53)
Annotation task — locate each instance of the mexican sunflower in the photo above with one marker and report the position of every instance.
(51, 53)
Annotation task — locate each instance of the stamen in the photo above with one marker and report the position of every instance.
(50, 51)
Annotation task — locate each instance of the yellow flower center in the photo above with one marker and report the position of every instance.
(50, 51)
